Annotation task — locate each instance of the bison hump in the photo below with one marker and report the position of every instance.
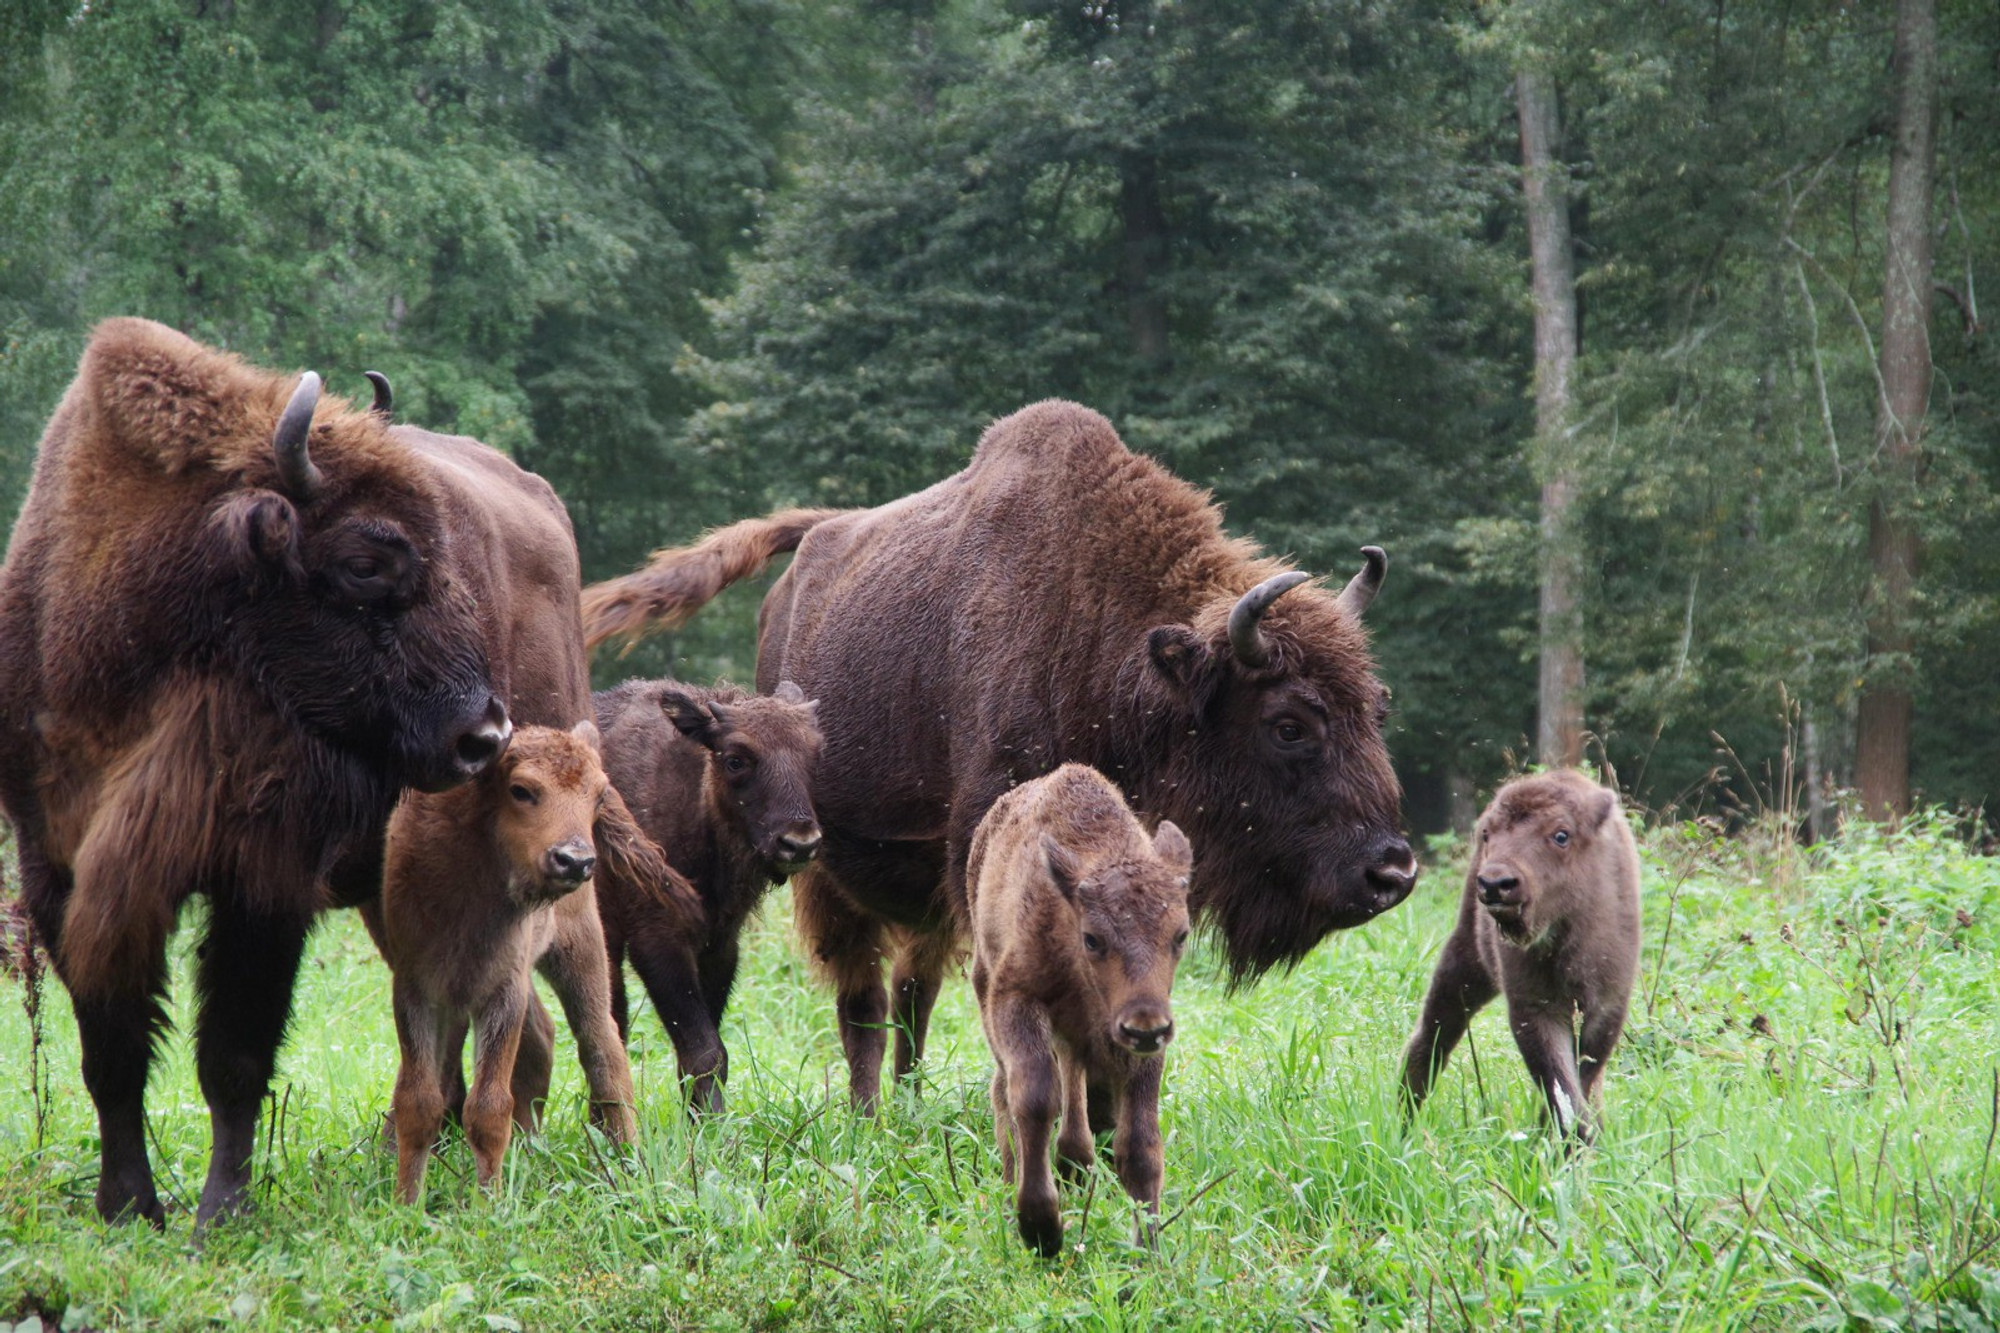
(1051, 433)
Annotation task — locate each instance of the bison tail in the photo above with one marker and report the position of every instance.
(679, 581)
(631, 856)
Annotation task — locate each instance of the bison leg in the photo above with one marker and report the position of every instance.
(417, 1108)
(534, 1063)
(717, 965)
(1602, 1026)
(848, 948)
(489, 1106)
(672, 977)
(574, 965)
(1076, 1147)
(919, 974)
(1547, 1040)
(117, 1040)
(1460, 987)
(250, 961)
(1019, 1035)
(1135, 1148)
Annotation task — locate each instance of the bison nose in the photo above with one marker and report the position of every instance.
(798, 846)
(1147, 1035)
(571, 864)
(481, 743)
(1498, 889)
(1393, 874)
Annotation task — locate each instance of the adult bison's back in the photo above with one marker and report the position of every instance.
(232, 629)
(1061, 599)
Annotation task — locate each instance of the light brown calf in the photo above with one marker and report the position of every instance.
(1078, 920)
(484, 883)
(1550, 918)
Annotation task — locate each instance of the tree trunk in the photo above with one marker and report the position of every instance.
(1544, 186)
(1882, 727)
(1145, 252)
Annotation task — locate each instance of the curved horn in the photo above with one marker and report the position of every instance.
(1244, 636)
(1361, 589)
(385, 398)
(295, 466)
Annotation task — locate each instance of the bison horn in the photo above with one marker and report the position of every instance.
(1244, 636)
(1361, 589)
(385, 398)
(295, 466)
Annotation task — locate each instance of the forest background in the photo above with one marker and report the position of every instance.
(692, 259)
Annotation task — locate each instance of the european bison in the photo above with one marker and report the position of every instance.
(235, 621)
(1061, 599)
(483, 885)
(1550, 918)
(722, 780)
(1077, 920)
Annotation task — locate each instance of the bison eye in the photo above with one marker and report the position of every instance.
(1094, 945)
(1560, 837)
(1180, 941)
(1289, 732)
(736, 763)
(525, 795)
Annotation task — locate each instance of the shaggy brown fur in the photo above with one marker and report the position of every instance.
(1550, 918)
(483, 884)
(1065, 599)
(664, 594)
(722, 780)
(1077, 920)
(216, 673)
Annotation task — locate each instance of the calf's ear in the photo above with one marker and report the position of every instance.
(1062, 866)
(256, 534)
(1600, 806)
(1178, 654)
(1172, 847)
(586, 731)
(690, 717)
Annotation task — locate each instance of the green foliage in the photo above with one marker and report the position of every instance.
(1770, 1159)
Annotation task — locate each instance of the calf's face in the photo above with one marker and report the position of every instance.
(1534, 847)
(547, 790)
(765, 751)
(1131, 923)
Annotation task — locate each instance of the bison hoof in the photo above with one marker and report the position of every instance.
(1043, 1231)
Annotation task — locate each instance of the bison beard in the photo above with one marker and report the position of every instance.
(232, 627)
(1061, 599)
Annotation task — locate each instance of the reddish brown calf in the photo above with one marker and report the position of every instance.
(1550, 918)
(482, 884)
(1078, 921)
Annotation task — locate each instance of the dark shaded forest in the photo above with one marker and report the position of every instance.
(694, 260)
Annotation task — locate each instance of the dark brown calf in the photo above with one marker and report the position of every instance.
(483, 884)
(722, 780)
(1078, 920)
(1550, 918)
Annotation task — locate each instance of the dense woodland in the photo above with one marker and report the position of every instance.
(693, 260)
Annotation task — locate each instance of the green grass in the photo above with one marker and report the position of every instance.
(1799, 1133)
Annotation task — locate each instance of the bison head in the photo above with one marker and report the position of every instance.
(1271, 735)
(762, 753)
(336, 595)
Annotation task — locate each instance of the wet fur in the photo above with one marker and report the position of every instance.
(1571, 956)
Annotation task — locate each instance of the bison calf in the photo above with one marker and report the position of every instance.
(1078, 919)
(482, 884)
(722, 780)
(1550, 917)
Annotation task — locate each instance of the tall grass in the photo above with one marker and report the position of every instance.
(1799, 1132)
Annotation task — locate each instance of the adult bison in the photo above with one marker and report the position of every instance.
(1061, 599)
(235, 622)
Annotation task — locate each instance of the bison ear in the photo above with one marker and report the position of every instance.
(586, 731)
(788, 692)
(1600, 805)
(1178, 654)
(1172, 847)
(257, 532)
(690, 717)
(1062, 865)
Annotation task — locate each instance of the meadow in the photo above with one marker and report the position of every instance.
(1799, 1134)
